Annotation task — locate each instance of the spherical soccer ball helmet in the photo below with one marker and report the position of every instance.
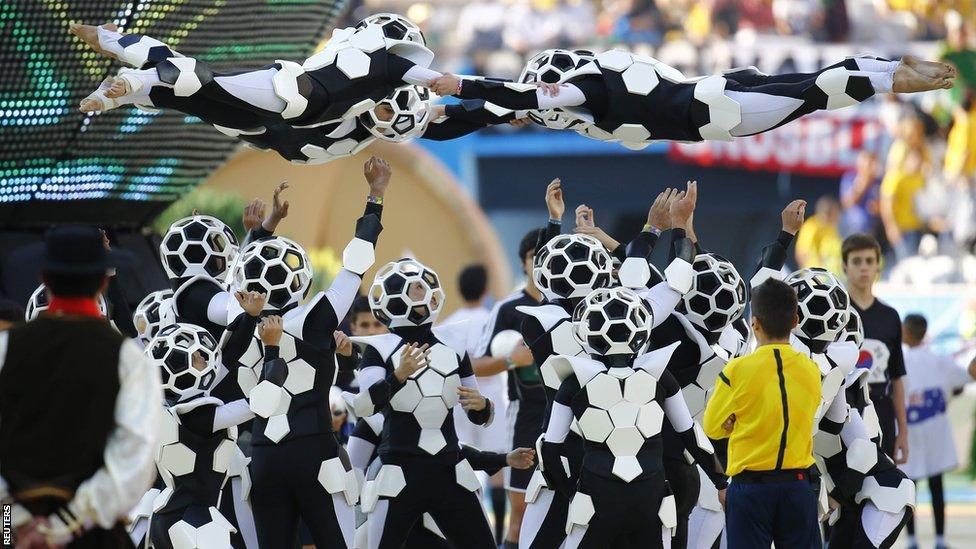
(717, 296)
(276, 266)
(854, 329)
(39, 302)
(188, 359)
(410, 106)
(153, 313)
(572, 265)
(395, 27)
(552, 67)
(390, 295)
(198, 245)
(824, 306)
(612, 321)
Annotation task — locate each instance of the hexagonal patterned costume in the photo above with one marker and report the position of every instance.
(635, 99)
(619, 405)
(363, 444)
(567, 268)
(296, 456)
(197, 448)
(358, 68)
(419, 471)
(153, 313)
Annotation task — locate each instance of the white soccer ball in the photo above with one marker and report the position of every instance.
(153, 313)
(823, 304)
(395, 27)
(612, 321)
(198, 245)
(410, 108)
(39, 302)
(572, 265)
(406, 293)
(188, 359)
(276, 266)
(717, 296)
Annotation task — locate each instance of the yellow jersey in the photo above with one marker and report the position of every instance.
(902, 187)
(774, 394)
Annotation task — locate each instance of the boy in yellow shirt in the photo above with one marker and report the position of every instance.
(765, 404)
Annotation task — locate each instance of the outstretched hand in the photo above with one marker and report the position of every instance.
(659, 216)
(252, 302)
(253, 214)
(584, 216)
(554, 199)
(684, 205)
(343, 343)
(444, 85)
(413, 358)
(377, 172)
(279, 209)
(520, 458)
(793, 215)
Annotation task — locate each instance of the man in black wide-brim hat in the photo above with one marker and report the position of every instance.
(79, 407)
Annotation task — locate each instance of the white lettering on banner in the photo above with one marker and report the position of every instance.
(819, 144)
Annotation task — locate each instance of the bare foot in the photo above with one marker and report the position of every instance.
(932, 69)
(89, 35)
(118, 87)
(96, 100)
(907, 80)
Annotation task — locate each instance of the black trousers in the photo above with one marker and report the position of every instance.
(625, 513)
(285, 487)
(685, 485)
(431, 487)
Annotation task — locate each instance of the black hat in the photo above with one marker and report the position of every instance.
(76, 249)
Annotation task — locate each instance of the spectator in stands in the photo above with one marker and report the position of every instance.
(907, 164)
(860, 191)
(818, 242)
(930, 381)
(960, 155)
(958, 50)
(79, 407)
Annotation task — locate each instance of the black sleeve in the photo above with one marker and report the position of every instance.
(257, 233)
(480, 460)
(552, 464)
(200, 420)
(383, 390)
(774, 254)
(119, 308)
(642, 245)
(552, 231)
(495, 91)
(681, 246)
(896, 363)
(703, 457)
(348, 363)
(241, 333)
(275, 368)
(396, 67)
(192, 302)
(364, 431)
(450, 129)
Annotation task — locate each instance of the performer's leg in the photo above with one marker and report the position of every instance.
(459, 515)
(544, 522)
(704, 527)
(938, 504)
(879, 528)
(685, 485)
(135, 50)
(275, 509)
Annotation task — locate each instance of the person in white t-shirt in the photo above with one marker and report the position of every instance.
(929, 382)
(473, 284)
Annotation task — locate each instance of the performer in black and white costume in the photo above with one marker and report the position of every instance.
(152, 314)
(198, 445)
(635, 99)
(415, 375)
(362, 447)
(567, 268)
(296, 463)
(619, 397)
(875, 498)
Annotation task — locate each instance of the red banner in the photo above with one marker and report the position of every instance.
(823, 144)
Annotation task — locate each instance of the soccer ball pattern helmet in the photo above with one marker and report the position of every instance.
(854, 329)
(552, 66)
(39, 302)
(153, 313)
(278, 267)
(198, 245)
(717, 296)
(395, 27)
(571, 266)
(823, 304)
(188, 359)
(390, 299)
(612, 321)
(411, 113)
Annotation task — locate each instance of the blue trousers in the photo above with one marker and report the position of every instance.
(784, 513)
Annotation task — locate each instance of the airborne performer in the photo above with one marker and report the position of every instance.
(635, 100)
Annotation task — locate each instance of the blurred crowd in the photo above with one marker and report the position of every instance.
(916, 189)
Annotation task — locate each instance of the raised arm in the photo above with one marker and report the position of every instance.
(260, 224)
(468, 116)
(774, 254)
(510, 95)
